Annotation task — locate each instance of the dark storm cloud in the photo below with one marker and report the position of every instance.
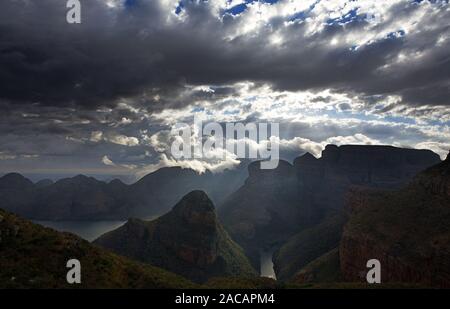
(72, 94)
(143, 50)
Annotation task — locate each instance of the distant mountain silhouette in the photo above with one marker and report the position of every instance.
(188, 240)
(85, 198)
(17, 194)
(163, 188)
(79, 198)
(407, 230)
(44, 183)
(15, 180)
(274, 205)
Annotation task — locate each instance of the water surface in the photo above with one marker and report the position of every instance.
(267, 264)
(89, 230)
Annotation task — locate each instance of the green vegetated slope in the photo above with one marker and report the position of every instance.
(324, 269)
(307, 246)
(32, 256)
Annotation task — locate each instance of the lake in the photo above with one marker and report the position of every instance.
(89, 230)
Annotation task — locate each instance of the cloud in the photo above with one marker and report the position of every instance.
(143, 51)
(441, 149)
(96, 136)
(124, 140)
(107, 161)
(6, 156)
(195, 164)
(357, 139)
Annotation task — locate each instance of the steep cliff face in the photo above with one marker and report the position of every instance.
(32, 256)
(188, 240)
(326, 180)
(435, 179)
(407, 230)
(274, 205)
(378, 165)
(265, 210)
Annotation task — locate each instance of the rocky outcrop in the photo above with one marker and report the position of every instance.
(188, 240)
(407, 230)
(326, 180)
(274, 205)
(378, 165)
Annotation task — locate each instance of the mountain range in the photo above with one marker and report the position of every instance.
(86, 198)
(323, 217)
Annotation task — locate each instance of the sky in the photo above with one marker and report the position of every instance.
(100, 97)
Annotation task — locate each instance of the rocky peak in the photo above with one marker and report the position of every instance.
(195, 208)
(82, 178)
(79, 180)
(331, 153)
(164, 174)
(196, 200)
(117, 184)
(305, 159)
